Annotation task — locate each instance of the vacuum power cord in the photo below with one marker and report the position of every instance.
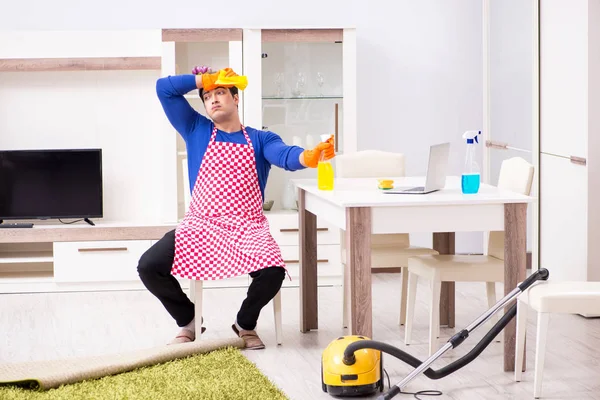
(415, 394)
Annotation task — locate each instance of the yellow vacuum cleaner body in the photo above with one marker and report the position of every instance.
(364, 376)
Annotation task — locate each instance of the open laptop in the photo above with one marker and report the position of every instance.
(437, 170)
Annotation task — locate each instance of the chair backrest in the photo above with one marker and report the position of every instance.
(516, 175)
(369, 164)
(374, 164)
(185, 181)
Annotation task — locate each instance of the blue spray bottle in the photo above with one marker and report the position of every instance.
(471, 176)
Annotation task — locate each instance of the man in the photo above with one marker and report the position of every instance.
(224, 233)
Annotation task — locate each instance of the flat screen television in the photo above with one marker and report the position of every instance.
(51, 184)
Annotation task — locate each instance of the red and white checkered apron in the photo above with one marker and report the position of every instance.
(225, 233)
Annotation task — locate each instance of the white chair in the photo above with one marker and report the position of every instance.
(387, 250)
(516, 175)
(546, 298)
(197, 286)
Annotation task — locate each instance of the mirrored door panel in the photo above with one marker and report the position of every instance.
(511, 84)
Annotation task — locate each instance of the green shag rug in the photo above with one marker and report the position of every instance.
(220, 374)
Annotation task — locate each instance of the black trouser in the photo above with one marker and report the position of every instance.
(155, 272)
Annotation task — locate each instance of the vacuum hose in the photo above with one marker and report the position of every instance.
(350, 359)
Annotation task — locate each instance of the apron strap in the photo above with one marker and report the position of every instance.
(214, 135)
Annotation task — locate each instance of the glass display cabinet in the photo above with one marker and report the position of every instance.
(307, 89)
(302, 98)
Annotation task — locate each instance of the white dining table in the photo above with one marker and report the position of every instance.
(359, 208)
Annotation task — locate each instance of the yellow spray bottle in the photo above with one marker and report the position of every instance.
(325, 173)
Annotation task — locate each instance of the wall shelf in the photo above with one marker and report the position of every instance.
(303, 35)
(26, 277)
(79, 64)
(201, 35)
(26, 258)
(71, 233)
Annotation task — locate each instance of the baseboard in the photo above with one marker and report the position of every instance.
(397, 270)
(588, 315)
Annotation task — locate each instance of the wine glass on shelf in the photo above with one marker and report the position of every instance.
(320, 82)
(300, 82)
(278, 80)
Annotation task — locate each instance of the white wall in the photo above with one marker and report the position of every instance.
(98, 109)
(420, 83)
(144, 14)
(117, 111)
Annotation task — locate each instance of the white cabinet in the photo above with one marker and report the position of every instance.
(99, 261)
(284, 229)
(329, 265)
(563, 218)
(112, 261)
(564, 77)
(569, 141)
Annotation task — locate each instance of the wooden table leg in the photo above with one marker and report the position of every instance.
(358, 261)
(309, 307)
(515, 264)
(443, 242)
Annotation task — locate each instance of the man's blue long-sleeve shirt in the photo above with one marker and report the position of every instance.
(196, 129)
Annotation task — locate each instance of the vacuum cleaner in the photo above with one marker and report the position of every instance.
(353, 365)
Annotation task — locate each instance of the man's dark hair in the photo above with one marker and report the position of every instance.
(232, 89)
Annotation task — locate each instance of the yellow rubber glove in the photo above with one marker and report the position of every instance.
(312, 157)
(227, 77)
(209, 81)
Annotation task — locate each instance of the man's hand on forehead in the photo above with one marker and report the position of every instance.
(225, 77)
(202, 69)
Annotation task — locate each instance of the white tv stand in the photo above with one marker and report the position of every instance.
(74, 257)
(79, 257)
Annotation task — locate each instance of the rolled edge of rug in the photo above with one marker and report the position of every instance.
(52, 374)
(32, 384)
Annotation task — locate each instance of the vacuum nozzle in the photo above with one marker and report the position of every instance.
(349, 359)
